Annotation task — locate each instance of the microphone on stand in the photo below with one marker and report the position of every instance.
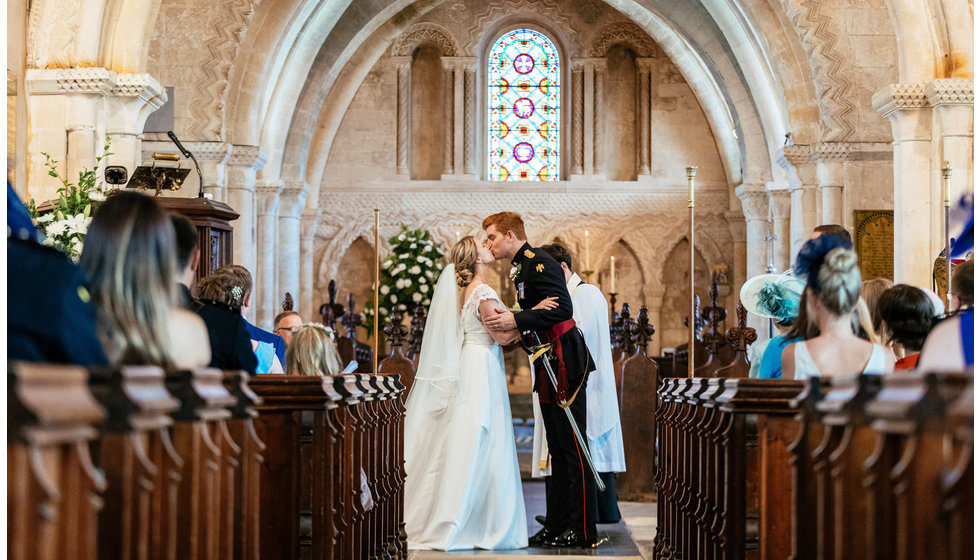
(188, 154)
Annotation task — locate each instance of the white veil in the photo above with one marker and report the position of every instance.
(437, 377)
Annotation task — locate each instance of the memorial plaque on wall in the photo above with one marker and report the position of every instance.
(874, 242)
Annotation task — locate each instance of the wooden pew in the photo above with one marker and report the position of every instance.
(141, 466)
(740, 337)
(723, 468)
(637, 409)
(248, 522)
(205, 496)
(53, 489)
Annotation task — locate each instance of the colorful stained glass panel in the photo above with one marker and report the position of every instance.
(523, 100)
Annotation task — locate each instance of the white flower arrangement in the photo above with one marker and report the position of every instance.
(412, 264)
(65, 227)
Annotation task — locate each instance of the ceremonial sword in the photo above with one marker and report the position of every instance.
(538, 351)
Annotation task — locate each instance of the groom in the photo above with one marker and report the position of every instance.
(572, 506)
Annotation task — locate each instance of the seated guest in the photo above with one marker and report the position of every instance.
(833, 287)
(907, 316)
(313, 352)
(871, 290)
(834, 230)
(949, 346)
(188, 259)
(285, 324)
(49, 311)
(130, 259)
(270, 349)
(231, 348)
(775, 297)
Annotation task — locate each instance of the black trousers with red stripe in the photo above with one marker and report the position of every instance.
(571, 491)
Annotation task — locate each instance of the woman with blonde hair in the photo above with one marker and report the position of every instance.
(130, 259)
(833, 291)
(463, 479)
(312, 351)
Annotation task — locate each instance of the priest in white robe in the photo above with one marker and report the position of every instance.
(603, 426)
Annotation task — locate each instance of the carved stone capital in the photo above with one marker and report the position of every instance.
(827, 152)
(644, 65)
(894, 97)
(242, 155)
(426, 32)
(43, 81)
(797, 154)
(214, 152)
(755, 201)
(779, 200)
(292, 199)
(950, 91)
(267, 198)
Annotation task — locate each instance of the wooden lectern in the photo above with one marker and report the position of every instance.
(212, 219)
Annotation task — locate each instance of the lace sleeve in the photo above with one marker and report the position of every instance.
(482, 293)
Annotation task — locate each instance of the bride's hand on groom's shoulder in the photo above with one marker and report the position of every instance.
(547, 303)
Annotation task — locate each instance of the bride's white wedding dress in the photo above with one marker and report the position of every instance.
(463, 485)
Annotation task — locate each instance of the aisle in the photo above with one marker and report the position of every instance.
(637, 527)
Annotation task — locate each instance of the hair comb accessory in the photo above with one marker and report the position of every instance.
(330, 332)
(236, 294)
(812, 254)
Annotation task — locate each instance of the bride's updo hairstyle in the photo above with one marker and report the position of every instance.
(463, 257)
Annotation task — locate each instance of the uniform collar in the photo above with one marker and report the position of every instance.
(573, 282)
(519, 257)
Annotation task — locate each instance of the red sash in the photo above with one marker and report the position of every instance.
(546, 394)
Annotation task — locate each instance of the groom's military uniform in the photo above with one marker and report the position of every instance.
(572, 506)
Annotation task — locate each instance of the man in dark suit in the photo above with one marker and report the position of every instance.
(572, 506)
(231, 348)
(49, 314)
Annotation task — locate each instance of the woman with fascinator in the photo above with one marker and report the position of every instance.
(833, 291)
(775, 297)
(462, 476)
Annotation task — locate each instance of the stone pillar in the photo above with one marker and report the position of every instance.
(598, 114)
(403, 66)
(736, 227)
(470, 121)
(803, 202)
(132, 99)
(264, 293)
(952, 101)
(589, 118)
(906, 106)
(65, 122)
(643, 67)
(211, 156)
(655, 299)
(830, 158)
(578, 85)
(292, 199)
(779, 203)
(243, 161)
(448, 105)
(755, 208)
(307, 277)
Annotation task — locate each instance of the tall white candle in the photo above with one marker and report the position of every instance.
(457, 235)
(588, 261)
(612, 275)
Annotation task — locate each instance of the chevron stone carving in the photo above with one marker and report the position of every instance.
(619, 33)
(899, 96)
(950, 91)
(426, 32)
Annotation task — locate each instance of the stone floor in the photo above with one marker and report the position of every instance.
(630, 539)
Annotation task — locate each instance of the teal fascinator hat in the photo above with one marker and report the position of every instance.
(773, 296)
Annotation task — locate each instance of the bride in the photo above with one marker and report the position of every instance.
(463, 485)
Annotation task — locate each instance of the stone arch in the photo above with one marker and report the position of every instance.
(426, 33)
(624, 33)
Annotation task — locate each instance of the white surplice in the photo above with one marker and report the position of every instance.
(604, 428)
(463, 486)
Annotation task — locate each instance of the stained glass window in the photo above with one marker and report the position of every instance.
(523, 77)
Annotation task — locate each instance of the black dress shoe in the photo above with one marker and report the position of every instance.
(541, 520)
(571, 539)
(540, 537)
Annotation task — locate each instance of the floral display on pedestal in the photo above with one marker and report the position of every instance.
(65, 225)
(408, 275)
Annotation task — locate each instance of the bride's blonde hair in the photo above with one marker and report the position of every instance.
(463, 257)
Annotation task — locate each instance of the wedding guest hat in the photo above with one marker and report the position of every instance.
(773, 296)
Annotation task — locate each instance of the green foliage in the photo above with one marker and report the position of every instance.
(65, 226)
(408, 275)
